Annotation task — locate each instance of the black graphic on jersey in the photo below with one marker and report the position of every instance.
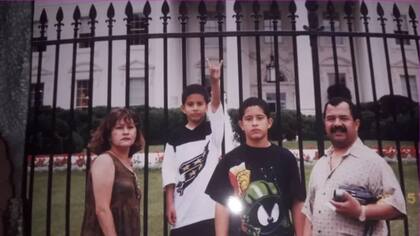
(189, 170)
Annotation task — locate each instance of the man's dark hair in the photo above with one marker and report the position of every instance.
(338, 90)
(195, 89)
(253, 101)
(337, 100)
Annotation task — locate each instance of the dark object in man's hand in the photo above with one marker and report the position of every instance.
(363, 195)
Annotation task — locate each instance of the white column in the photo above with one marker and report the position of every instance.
(231, 75)
(231, 61)
(306, 78)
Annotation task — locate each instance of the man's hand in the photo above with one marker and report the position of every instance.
(171, 215)
(350, 207)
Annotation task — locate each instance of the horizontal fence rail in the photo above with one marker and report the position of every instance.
(253, 28)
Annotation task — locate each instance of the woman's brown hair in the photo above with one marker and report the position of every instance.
(100, 141)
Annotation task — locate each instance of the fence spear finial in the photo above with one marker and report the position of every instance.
(363, 9)
(147, 10)
(379, 10)
(292, 7)
(59, 17)
(330, 9)
(396, 11)
(411, 13)
(256, 7)
(165, 8)
(348, 8)
(76, 14)
(202, 9)
(237, 8)
(92, 12)
(274, 10)
(43, 19)
(110, 12)
(129, 11)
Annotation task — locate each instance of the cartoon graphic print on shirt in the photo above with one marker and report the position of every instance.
(264, 212)
(189, 170)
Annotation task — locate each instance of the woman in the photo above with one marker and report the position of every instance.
(112, 203)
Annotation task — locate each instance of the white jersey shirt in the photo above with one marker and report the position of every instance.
(190, 159)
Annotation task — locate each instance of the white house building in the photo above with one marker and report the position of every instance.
(230, 50)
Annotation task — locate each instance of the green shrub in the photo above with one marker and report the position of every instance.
(66, 137)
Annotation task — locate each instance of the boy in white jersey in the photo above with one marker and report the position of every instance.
(191, 154)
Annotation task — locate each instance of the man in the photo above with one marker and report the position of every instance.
(349, 163)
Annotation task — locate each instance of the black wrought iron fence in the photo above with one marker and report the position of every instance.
(248, 19)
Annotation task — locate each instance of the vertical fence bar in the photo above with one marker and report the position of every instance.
(146, 12)
(237, 8)
(76, 24)
(381, 18)
(365, 18)
(293, 16)
(26, 219)
(312, 29)
(275, 16)
(92, 22)
(165, 18)
(110, 14)
(183, 18)
(220, 9)
(256, 15)
(202, 10)
(414, 22)
(398, 20)
(332, 16)
(393, 112)
(312, 7)
(220, 17)
(37, 103)
(59, 18)
(412, 15)
(129, 18)
(348, 9)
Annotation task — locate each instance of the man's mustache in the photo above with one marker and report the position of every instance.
(342, 129)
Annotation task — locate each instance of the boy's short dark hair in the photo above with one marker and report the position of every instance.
(195, 89)
(253, 101)
(337, 100)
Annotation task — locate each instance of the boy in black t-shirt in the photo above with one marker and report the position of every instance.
(257, 184)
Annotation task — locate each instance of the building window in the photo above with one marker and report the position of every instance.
(271, 100)
(137, 26)
(82, 93)
(136, 91)
(211, 26)
(341, 78)
(37, 36)
(413, 86)
(327, 28)
(268, 26)
(84, 32)
(404, 30)
(37, 94)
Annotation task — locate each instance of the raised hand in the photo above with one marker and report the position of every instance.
(214, 69)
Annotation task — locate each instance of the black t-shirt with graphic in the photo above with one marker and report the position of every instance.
(266, 181)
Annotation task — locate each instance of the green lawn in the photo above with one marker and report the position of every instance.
(156, 202)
